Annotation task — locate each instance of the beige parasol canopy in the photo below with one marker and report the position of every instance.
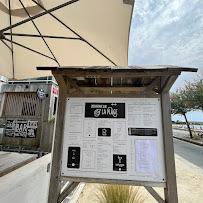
(62, 33)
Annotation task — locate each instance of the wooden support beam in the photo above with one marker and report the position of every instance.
(153, 84)
(128, 95)
(60, 79)
(171, 187)
(55, 183)
(154, 194)
(99, 74)
(143, 79)
(107, 89)
(67, 191)
(168, 83)
(114, 182)
(74, 85)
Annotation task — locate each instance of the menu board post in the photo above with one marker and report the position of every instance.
(113, 126)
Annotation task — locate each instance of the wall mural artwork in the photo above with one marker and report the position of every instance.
(21, 128)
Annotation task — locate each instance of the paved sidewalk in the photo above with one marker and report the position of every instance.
(189, 182)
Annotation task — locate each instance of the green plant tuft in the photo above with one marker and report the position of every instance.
(196, 137)
(52, 119)
(119, 194)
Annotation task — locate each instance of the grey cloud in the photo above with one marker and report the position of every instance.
(167, 32)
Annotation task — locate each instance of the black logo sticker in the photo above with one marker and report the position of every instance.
(105, 132)
(40, 93)
(73, 157)
(119, 162)
(104, 110)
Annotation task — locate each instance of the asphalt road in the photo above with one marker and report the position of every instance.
(190, 152)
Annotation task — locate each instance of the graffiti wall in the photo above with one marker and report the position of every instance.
(21, 128)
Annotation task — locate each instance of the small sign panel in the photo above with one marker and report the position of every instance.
(55, 90)
(119, 162)
(113, 138)
(142, 131)
(105, 132)
(73, 157)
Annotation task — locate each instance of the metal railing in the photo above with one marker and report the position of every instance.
(31, 81)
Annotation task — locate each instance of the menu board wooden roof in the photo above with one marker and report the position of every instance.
(117, 80)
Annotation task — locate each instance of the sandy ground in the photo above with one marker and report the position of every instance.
(189, 182)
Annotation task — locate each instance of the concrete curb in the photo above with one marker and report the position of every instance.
(190, 141)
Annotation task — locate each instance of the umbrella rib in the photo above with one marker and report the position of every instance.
(29, 49)
(6, 45)
(44, 36)
(39, 15)
(74, 32)
(11, 38)
(39, 33)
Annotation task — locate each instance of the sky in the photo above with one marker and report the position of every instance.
(168, 32)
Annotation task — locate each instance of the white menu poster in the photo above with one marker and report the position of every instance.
(146, 156)
(113, 138)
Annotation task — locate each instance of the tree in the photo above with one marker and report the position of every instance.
(180, 105)
(188, 98)
(193, 93)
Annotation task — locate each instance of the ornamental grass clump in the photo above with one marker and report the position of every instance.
(119, 194)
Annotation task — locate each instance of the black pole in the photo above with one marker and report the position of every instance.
(29, 49)
(40, 33)
(40, 36)
(39, 15)
(11, 40)
(75, 33)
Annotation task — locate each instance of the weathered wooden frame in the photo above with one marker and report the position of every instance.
(164, 79)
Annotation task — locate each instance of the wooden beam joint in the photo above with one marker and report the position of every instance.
(168, 83)
(74, 85)
(61, 82)
(154, 194)
(67, 191)
(153, 84)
